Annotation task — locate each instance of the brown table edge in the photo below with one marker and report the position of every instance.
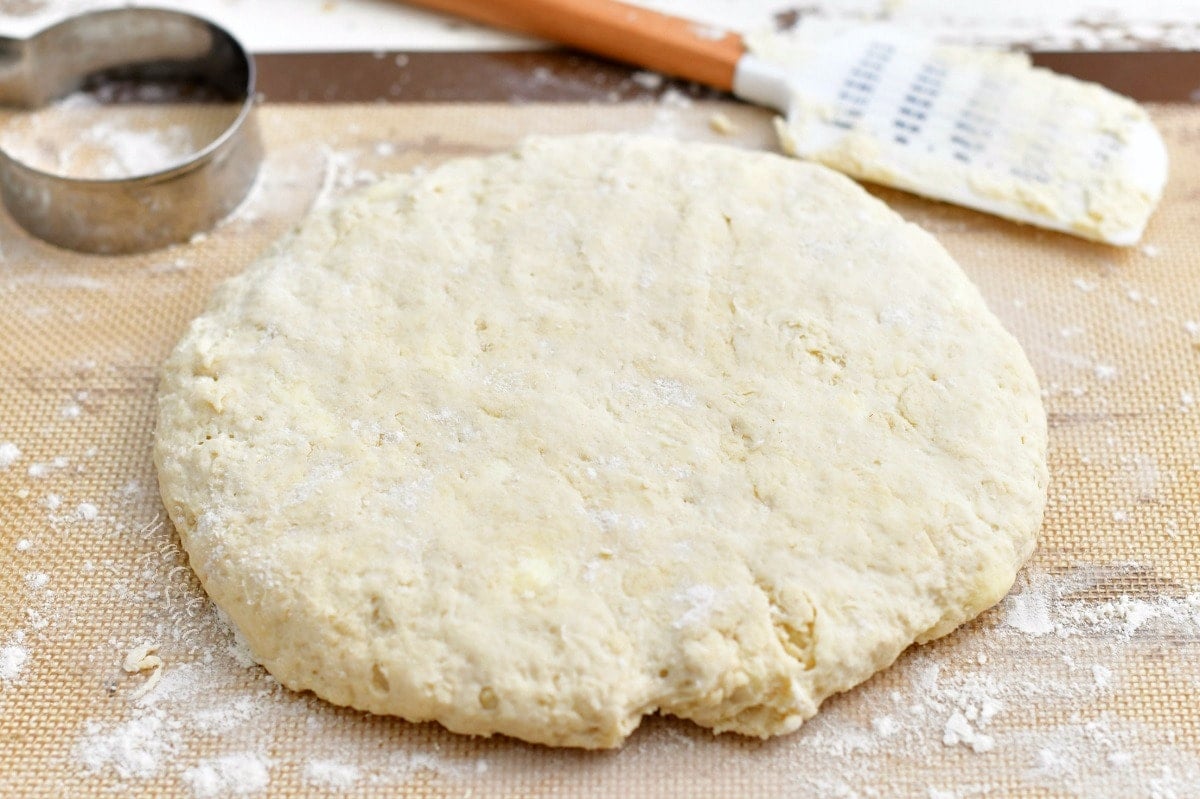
(566, 76)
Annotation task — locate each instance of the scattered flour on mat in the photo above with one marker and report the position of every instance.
(1045, 606)
(331, 774)
(229, 775)
(1050, 643)
(1029, 613)
(138, 748)
(37, 580)
(43, 469)
(221, 698)
(10, 453)
(12, 660)
(1143, 475)
(184, 705)
(959, 731)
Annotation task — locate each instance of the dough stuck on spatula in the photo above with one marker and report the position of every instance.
(543, 442)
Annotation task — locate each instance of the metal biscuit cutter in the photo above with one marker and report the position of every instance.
(142, 211)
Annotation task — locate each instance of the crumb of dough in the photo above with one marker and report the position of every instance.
(142, 658)
(721, 123)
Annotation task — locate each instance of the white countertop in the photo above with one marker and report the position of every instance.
(334, 25)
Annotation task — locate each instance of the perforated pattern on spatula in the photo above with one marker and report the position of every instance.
(976, 128)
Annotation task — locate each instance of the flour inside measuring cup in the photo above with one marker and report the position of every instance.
(84, 136)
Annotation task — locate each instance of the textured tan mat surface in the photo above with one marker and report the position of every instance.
(1082, 683)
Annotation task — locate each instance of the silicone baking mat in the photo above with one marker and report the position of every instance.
(1083, 682)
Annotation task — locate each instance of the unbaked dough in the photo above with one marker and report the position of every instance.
(543, 442)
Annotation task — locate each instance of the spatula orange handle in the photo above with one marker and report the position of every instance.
(637, 36)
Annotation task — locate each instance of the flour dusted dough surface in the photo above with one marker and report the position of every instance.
(542, 442)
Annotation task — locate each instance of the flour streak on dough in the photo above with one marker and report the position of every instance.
(540, 443)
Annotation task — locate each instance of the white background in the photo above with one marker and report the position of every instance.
(298, 25)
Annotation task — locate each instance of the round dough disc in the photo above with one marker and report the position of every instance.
(543, 442)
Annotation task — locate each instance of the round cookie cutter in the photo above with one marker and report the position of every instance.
(142, 211)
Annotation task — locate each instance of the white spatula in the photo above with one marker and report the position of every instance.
(976, 128)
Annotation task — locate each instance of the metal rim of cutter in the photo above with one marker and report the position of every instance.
(142, 211)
